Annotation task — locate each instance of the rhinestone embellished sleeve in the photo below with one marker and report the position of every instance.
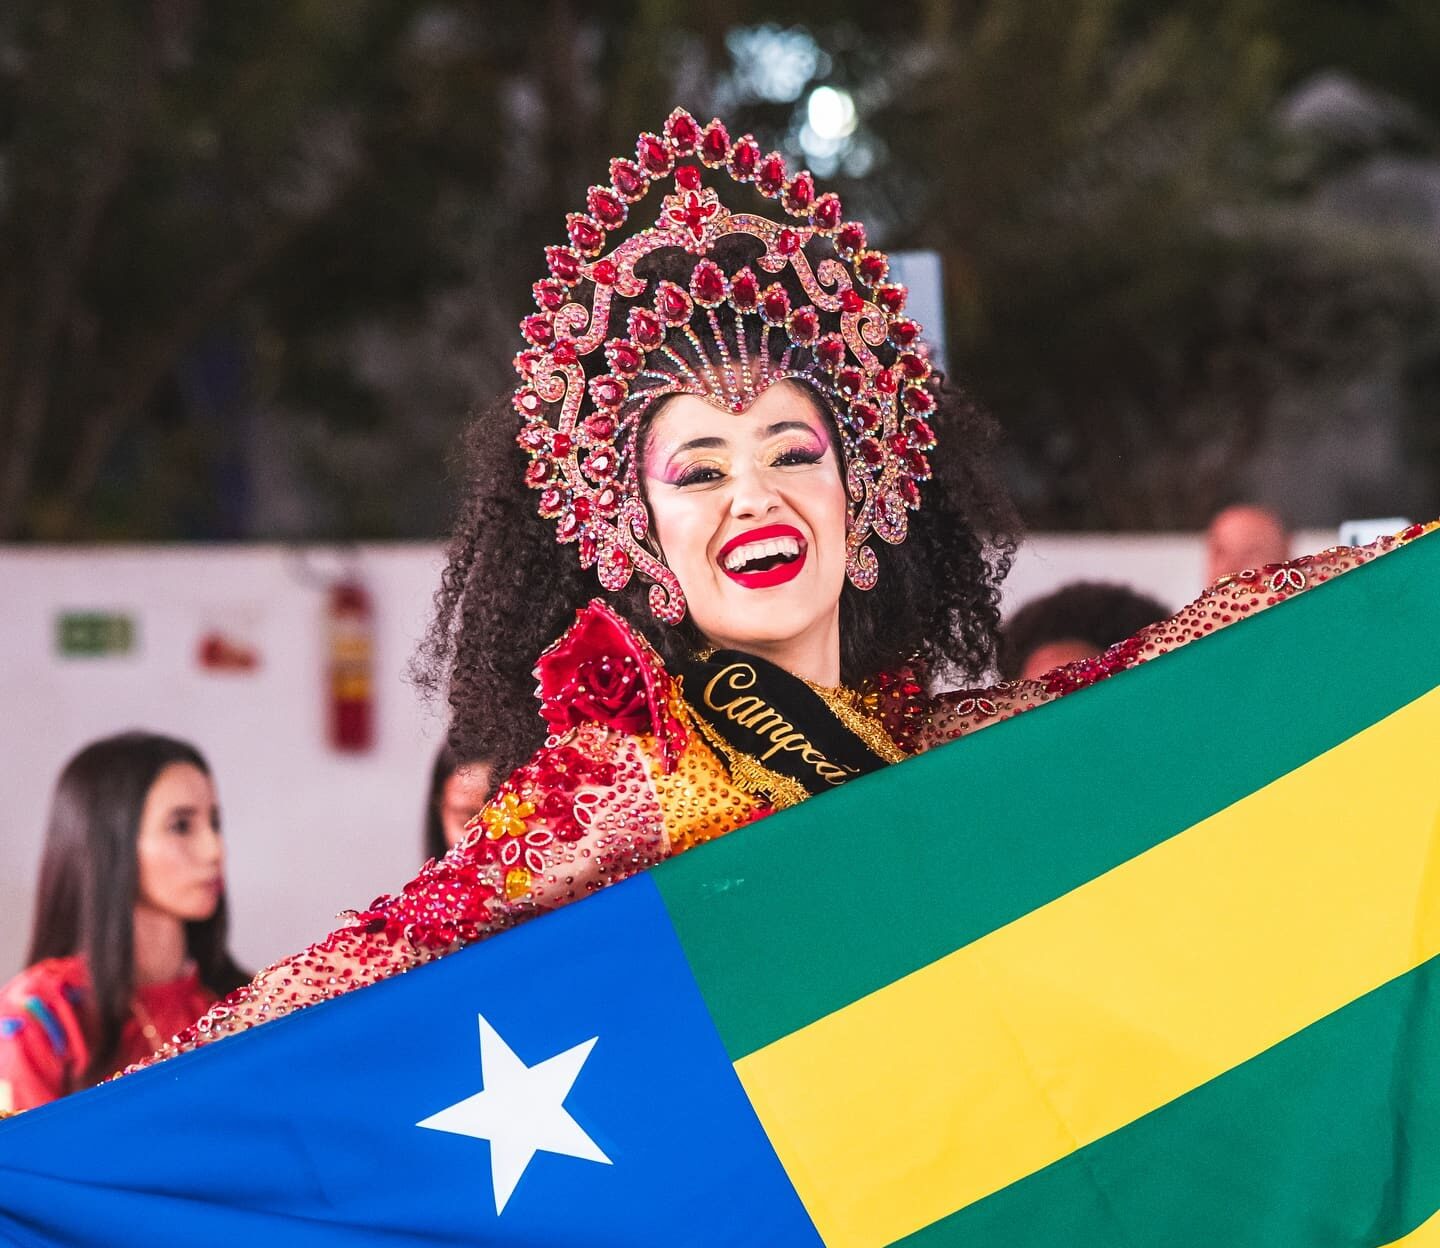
(621, 783)
(923, 722)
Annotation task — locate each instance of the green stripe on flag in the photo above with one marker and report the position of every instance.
(1331, 1138)
(806, 912)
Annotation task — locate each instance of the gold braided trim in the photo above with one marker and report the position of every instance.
(849, 708)
(749, 773)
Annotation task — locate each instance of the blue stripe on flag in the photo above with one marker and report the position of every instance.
(303, 1132)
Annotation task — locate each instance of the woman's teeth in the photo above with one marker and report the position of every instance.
(752, 552)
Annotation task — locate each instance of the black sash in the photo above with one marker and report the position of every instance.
(767, 717)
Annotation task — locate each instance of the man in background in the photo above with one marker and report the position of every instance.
(1244, 536)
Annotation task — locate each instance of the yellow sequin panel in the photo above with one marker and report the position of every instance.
(698, 802)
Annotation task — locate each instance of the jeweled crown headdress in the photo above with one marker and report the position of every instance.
(590, 372)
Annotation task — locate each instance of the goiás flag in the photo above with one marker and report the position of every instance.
(1154, 965)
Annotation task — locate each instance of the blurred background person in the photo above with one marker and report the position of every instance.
(458, 789)
(129, 937)
(1077, 621)
(1244, 536)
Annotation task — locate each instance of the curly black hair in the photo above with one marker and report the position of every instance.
(509, 590)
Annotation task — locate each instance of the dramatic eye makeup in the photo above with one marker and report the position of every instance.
(699, 461)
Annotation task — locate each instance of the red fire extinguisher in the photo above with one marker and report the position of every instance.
(350, 618)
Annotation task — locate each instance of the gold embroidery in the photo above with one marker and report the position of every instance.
(750, 774)
(849, 708)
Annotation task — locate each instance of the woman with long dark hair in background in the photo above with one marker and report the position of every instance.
(459, 788)
(129, 938)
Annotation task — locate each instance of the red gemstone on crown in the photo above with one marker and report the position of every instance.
(673, 303)
(715, 144)
(922, 437)
(850, 381)
(599, 464)
(549, 295)
(654, 154)
(904, 333)
(688, 177)
(693, 210)
(604, 273)
(909, 492)
(826, 213)
(537, 330)
(919, 400)
(599, 427)
(891, 298)
(585, 233)
(607, 390)
(606, 207)
(916, 464)
(564, 264)
(886, 381)
(525, 362)
(540, 472)
(915, 367)
(628, 179)
(830, 351)
(568, 527)
(871, 451)
(607, 501)
(804, 324)
(645, 328)
(865, 415)
(800, 194)
(582, 508)
(787, 242)
(551, 501)
(564, 352)
(850, 239)
(533, 437)
(770, 177)
(775, 304)
(851, 301)
(528, 403)
(744, 290)
(623, 356)
(744, 158)
(872, 267)
(707, 284)
(683, 130)
(560, 444)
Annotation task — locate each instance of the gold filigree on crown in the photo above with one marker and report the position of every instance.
(607, 342)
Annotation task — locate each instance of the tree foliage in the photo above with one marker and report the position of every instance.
(257, 261)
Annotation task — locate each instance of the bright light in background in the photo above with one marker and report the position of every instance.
(830, 114)
(774, 64)
(828, 135)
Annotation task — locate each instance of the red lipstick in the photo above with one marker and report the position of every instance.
(777, 575)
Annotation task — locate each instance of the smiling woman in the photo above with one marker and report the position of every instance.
(732, 428)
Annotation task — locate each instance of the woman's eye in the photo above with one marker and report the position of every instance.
(799, 455)
(181, 827)
(699, 475)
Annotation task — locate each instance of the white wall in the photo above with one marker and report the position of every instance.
(309, 831)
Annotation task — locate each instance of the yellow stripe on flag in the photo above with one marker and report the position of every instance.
(1107, 1003)
(1426, 1235)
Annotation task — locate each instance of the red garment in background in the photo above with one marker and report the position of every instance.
(43, 1047)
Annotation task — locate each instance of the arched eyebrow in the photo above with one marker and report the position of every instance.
(786, 426)
(700, 444)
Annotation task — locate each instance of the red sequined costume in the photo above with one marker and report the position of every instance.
(45, 1049)
(625, 780)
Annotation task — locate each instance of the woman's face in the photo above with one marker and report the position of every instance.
(750, 513)
(462, 797)
(181, 858)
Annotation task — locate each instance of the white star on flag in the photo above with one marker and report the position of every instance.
(521, 1111)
